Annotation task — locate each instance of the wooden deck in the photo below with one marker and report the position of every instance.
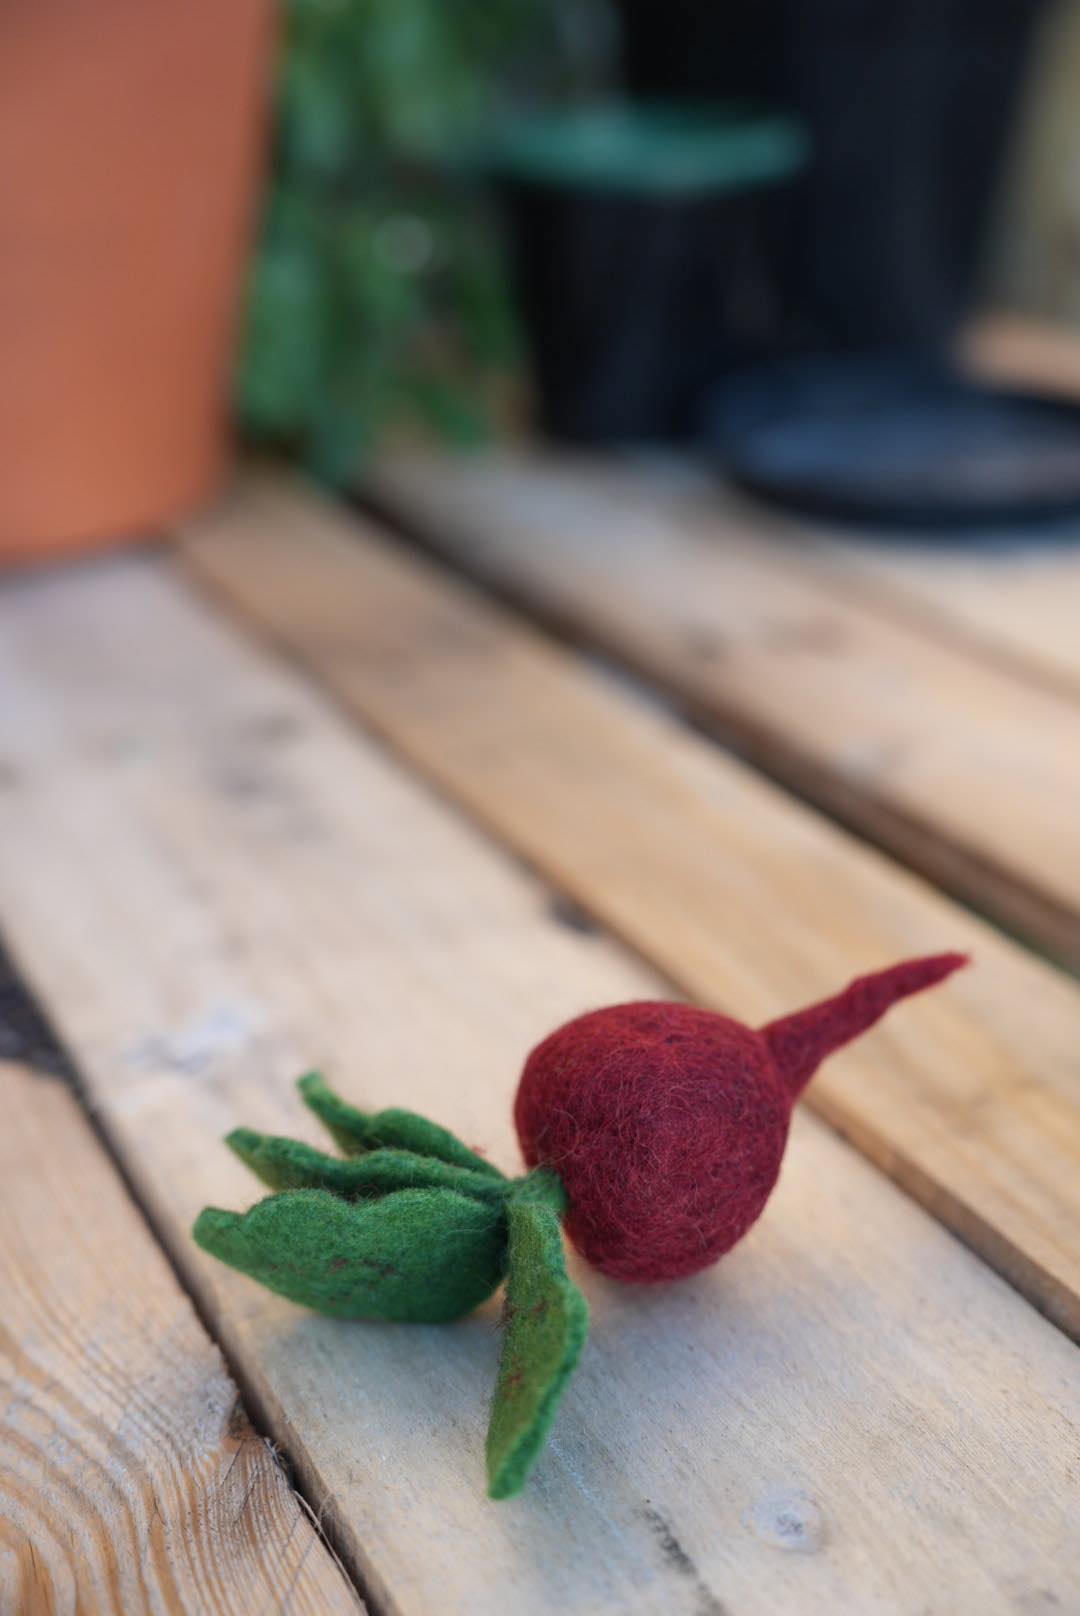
(292, 792)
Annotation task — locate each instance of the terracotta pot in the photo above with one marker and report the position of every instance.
(131, 133)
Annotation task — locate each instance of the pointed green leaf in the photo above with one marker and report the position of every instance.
(356, 1131)
(416, 1256)
(349, 1128)
(546, 1324)
(290, 1164)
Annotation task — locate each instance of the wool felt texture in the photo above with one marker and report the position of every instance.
(655, 1130)
(411, 1257)
(356, 1131)
(546, 1321)
(667, 1124)
(799, 1043)
(289, 1164)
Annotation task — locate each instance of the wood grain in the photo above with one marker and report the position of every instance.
(950, 760)
(213, 881)
(1015, 603)
(739, 895)
(130, 1478)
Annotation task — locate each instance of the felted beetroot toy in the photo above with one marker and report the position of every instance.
(653, 1131)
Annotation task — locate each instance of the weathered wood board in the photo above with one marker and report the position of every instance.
(130, 1477)
(949, 758)
(213, 882)
(741, 896)
(1015, 602)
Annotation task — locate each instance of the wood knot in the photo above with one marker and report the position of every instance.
(788, 1518)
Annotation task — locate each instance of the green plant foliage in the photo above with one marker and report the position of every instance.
(378, 293)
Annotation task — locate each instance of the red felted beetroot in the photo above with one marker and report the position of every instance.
(655, 1132)
(667, 1124)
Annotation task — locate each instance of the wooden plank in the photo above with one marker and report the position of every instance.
(948, 759)
(739, 895)
(1015, 601)
(213, 881)
(1012, 595)
(1015, 351)
(130, 1478)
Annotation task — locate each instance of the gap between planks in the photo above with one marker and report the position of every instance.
(740, 896)
(130, 1478)
(943, 755)
(213, 881)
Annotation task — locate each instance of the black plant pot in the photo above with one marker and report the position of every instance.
(907, 104)
(704, 48)
(640, 271)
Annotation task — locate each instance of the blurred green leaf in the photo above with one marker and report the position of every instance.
(378, 294)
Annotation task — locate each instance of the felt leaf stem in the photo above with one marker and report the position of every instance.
(546, 1321)
(411, 1226)
(356, 1131)
(289, 1164)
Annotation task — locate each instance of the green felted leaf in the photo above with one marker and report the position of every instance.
(415, 1256)
(546, 1324)
(289, 1164)
(356, 1131)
